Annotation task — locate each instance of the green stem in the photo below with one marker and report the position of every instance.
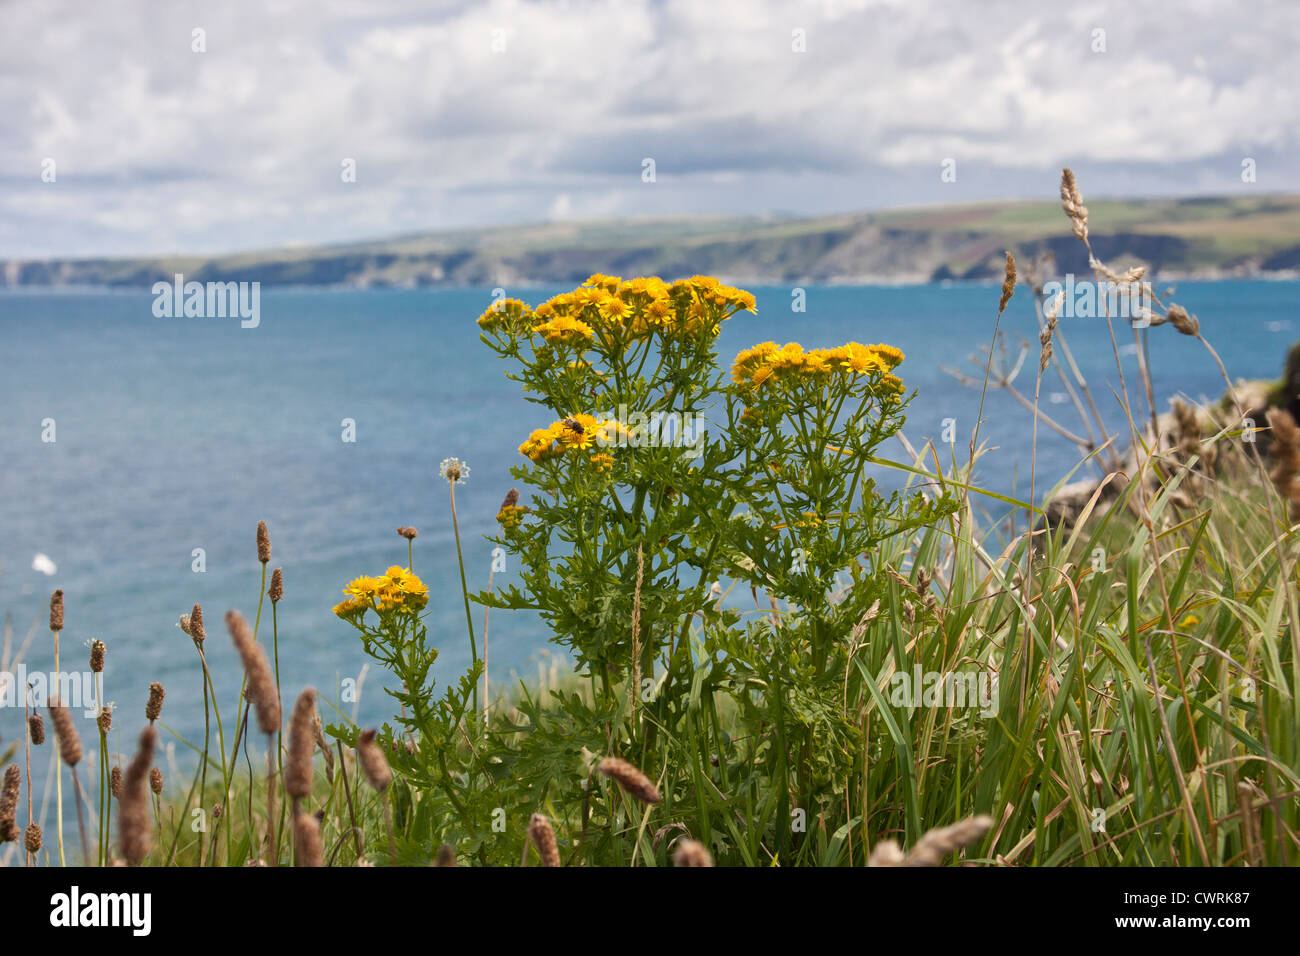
(464, 588)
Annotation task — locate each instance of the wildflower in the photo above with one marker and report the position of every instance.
(398, 590)
(565, 330)
(454, 470)
(510, 516)
(508, 315)
(613, 310)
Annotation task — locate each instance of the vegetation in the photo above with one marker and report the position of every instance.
(779, 662)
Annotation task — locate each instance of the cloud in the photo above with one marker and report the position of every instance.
(471, 114)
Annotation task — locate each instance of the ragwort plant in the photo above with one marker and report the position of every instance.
(660, 479)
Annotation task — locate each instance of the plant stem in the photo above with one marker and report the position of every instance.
(464, 587)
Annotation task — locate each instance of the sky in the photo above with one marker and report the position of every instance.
(123, 131)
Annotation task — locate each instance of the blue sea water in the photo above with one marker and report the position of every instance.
(177, 434)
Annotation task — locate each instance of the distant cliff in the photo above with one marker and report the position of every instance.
(1175, 238)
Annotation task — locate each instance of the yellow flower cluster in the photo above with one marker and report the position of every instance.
(396, 590)
(576, 433)
(565, 330)
(510, 516)
(509, 314)
(637, 308)
(769, 361)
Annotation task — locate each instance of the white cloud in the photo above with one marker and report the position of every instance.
(162, 149)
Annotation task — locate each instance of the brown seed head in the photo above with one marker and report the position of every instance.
(56, 610)
(1182, 320)
(32, 840)
(153, 707)
(185, 623)
(630, 779)
(66, 731)
(97, 656)
(938, 843)
(105, 720)
(9, 803)
(543, 837)
(276, 591)
(133, 819)
(1072, 203)
(1008, 283)
(692, 853)
(196, 630)
(263, 543)
(217, 810)
(115, 782)
(410, 534)
(886, 853)
(373, 761)
(302, 742)
(446, 856)
(306, 840)
(155, 780)
(36, 728)
(261, 684)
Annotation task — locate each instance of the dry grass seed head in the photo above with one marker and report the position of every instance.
(261, 683)
(307, 840)
(56, 610)
(33, 838)
(9, 792)
(66, 732)
(936, 844)
(1008, 283)
(373, 761)
(153, 707)
(692, 853)
(543, 837)
(263, 543)
(133, 819)
(302, 742)
(630, 779)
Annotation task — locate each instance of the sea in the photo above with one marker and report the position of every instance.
(138, 453)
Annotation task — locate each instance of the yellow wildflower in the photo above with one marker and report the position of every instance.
(507, 314)
(510, 516)
(565, 330)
